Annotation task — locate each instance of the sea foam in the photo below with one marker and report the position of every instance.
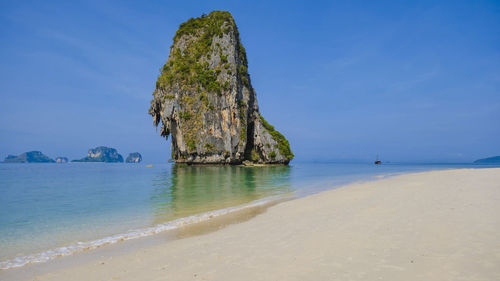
(133, 234)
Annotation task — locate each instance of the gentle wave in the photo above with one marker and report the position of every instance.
(138, 233)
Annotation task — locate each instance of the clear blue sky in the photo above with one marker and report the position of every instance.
(342, 80)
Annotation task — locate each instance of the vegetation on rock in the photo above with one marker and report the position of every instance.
(204, 97)
(101, 154)
(283, 145)
(29, 157)
(189, 67)
(134, 157)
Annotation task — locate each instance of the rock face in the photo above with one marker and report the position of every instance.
(489, 160)
(204, 99)
(29, 157)
(102, 154)
(134, 157)
(61, 160)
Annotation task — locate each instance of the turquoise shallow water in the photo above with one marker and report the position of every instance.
(47, 206)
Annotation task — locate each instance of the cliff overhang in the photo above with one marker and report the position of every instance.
(205, 100)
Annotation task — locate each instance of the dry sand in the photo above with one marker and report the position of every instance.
(440, 225)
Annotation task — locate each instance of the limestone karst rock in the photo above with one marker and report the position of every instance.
(134, 157)
(102, 154)
(61, 159)
(29, 157)
(204, 98)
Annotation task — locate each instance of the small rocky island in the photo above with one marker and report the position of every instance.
(29, 157)
(489, 160)
(102, 154)
(134, 157)
(61, 159)
(204, 98)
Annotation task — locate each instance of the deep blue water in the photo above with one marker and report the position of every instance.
(44, 206)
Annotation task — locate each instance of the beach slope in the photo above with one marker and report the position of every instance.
(438, 225)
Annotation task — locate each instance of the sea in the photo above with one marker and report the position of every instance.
(53, 210)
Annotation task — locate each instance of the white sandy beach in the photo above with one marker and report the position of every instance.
(440, 225)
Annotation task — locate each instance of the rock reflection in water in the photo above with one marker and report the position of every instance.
(189, 190)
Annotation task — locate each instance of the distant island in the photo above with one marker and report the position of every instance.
(489, 160)
(102, 154)
(29, 157)
(98, 154)
(61, 160)
(134, 157)
(204, 98)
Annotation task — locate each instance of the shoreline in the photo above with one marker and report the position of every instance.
(349, 190)
(179, 225)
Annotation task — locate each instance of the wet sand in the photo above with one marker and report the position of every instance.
(439, 225)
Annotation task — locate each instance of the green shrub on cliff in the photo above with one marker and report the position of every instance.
(272, 155)
(211, 23)
(283, 145)
(190, 67)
